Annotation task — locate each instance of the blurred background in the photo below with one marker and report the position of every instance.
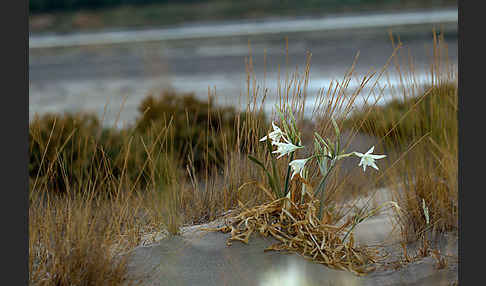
(106, 56)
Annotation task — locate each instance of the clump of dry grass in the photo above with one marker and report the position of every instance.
(298, 229)
(429, 172)
(72, 240)
(432, 180)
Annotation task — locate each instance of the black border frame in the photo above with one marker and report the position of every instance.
(15, 122)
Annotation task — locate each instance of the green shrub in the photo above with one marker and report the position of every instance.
(201, 131)
(76, 150)
(175, 129)
(55, 141)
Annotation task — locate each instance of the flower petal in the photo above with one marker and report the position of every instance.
(372, 164)
(377, 156)
(371, 150)
(285, 148)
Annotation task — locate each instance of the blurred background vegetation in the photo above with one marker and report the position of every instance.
(56, 5)
(70, 15)
(70, 148)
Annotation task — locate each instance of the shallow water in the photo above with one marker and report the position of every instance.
(89, 77)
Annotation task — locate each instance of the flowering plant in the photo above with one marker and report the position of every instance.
(326, 153)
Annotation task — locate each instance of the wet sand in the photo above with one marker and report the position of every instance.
(203, 258)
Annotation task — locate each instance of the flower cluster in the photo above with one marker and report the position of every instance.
(297, 166)
(327, 153)
(283, 148)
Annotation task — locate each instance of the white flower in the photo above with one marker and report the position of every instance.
(285, 148)
(298, 167)
(368, 159)
(275, 135)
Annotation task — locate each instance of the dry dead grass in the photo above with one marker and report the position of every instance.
(71, 239)
(429, 172)
(298, 229)
(419, 128)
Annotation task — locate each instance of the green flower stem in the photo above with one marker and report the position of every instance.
(323, 181)
(287, 177)
(277, 188)
(320, 188)
(321, 204)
